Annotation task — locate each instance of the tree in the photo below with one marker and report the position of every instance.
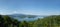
(1, 21)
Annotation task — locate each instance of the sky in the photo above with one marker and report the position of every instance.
(31, 7)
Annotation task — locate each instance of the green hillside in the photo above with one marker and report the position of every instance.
(49, 21)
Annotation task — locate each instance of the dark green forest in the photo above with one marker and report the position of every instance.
(49, 21)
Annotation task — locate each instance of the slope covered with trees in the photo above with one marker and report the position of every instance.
(49, 21)
(6, 21)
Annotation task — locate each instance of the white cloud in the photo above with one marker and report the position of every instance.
(15, 12)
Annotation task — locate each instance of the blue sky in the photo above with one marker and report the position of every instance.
(32, 7)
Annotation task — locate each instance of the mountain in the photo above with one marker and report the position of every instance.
(22, 16)
(17, 15)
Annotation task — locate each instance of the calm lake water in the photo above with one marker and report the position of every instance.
(28, 19)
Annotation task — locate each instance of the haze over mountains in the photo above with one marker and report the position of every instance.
(22, 17)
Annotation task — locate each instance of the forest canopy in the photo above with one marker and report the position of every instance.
(49, 21)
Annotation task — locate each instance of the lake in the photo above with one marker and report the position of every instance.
(28, 19)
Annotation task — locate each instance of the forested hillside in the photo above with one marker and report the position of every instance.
(49, 21)
(6, 21)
